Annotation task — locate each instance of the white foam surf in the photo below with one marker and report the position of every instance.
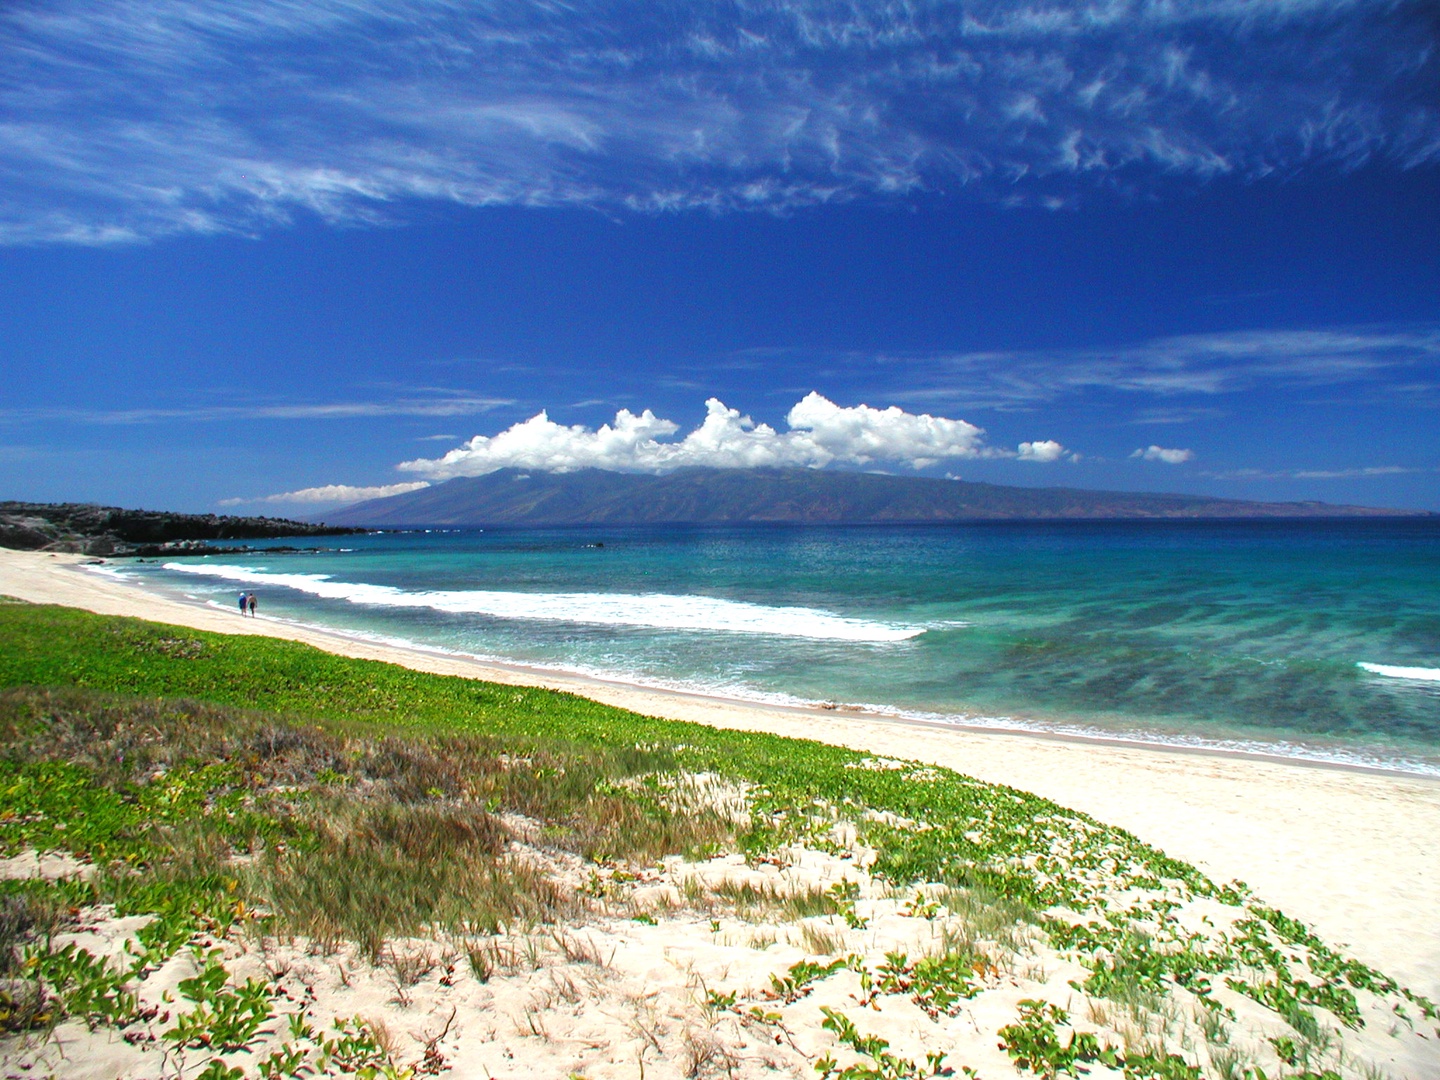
(1376, 758)
(1419, 674)
(660, 611)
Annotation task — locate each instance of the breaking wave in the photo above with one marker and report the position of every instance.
(654, 610)
(1419, 674)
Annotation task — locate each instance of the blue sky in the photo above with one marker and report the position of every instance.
(324, 247)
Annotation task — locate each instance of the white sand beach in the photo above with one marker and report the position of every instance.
(1355, 853)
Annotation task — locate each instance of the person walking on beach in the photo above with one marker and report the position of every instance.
(243, 599)
(252, 605)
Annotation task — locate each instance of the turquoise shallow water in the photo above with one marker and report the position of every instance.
(1249, 635)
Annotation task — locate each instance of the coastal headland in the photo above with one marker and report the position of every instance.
(1354, 854)
(88, 529)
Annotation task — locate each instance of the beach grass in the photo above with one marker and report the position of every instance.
(239, 785)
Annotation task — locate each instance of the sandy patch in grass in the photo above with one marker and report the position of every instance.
(672, 973)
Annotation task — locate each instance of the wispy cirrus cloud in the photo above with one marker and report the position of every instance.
(337, 410)
(1395, 362)
(138, 118)
(1350, 474)
(1368, 472)
(1155, 416)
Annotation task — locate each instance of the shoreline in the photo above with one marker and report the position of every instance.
(1354, 851)
(585, 683)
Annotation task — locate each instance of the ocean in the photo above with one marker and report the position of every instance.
(1310, 639)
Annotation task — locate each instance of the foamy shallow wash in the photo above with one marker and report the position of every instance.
(1332, 753)
(1317, 639)
(654, 610)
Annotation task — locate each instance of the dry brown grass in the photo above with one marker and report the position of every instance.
(363, 835)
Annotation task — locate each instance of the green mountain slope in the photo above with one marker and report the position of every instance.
(595, 497)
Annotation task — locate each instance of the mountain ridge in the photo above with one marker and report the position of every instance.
(778, 495)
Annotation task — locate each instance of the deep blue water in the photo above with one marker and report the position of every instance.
(1246, 634)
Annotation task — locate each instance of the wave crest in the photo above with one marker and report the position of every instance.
(661, 611)
(1419, 674)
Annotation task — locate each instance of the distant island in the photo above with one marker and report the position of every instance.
(110, 530)
(596, 497)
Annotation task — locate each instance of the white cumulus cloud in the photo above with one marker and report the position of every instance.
(1161, 453)
(820, 433)
(1044, 450)
(333, 493)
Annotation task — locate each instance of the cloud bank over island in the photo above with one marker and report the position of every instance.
(820, 433)
(332, 493)
(135, 119)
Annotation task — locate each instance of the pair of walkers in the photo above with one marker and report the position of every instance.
(247, 600)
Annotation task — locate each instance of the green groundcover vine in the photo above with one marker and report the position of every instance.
(1101, 895)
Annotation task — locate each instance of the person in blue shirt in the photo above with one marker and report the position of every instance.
(243, 599)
